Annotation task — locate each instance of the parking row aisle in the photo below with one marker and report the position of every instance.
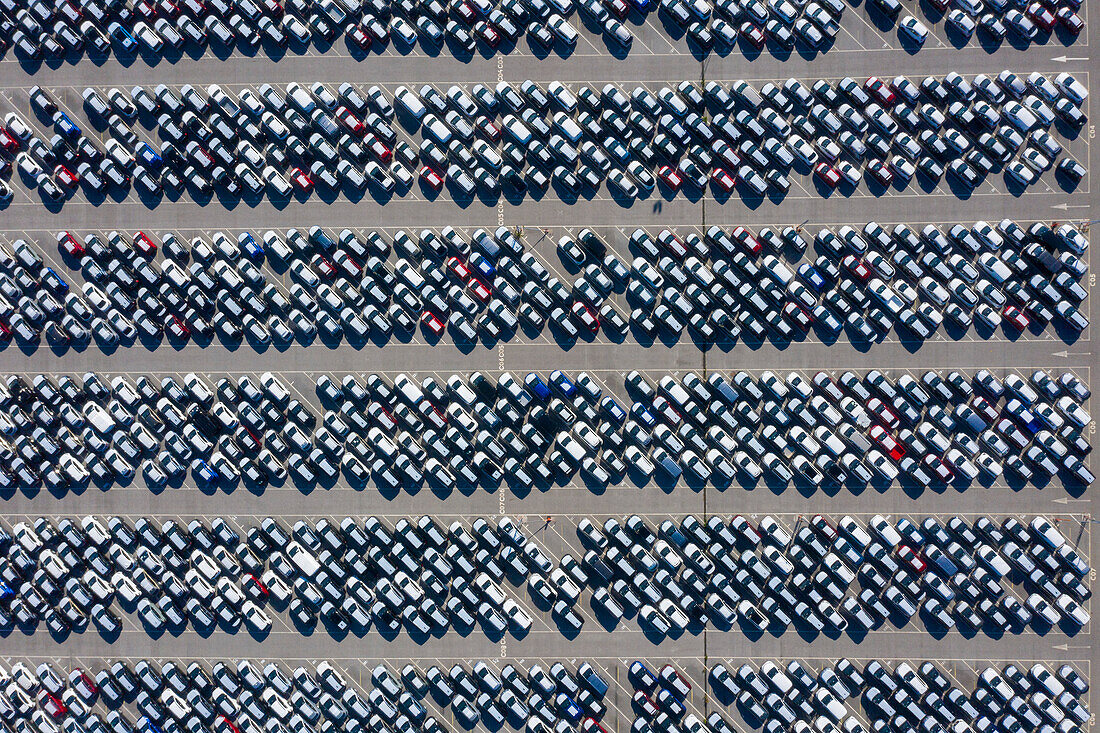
(447, 433)
(560, 141)
(545, 694)
(510, 579)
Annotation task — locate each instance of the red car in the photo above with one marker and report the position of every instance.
(1070, 20)
(379, 148)
(586, 317)
(746, 239)
(83, 684)
(51, 704)
(465, 12)
(487, 127)
(5, 332)
(324, 267)
(433, 324)
(253, 584)
(752, 33)
(880, 90)
(618, 8)
(65, 177)
(1041, 15)
(796, 315)
(225, 725)
(644, 705)
(360, 37)
(430, 177)
(721, 178)
(69, 243)
(478, 288)
(1016, 317)
(670, 177)
(487, 33)
(458, 268)
(350, 121)
(144, 244)
(301, 180)
(885, 415)
(909, 557)
(7, 141)
(887, 442)
(821, 524)
(880, 172)
(938, 467)
(857, 267)
(145, 9)
(590, 725)
(828, 174)
(178, 328)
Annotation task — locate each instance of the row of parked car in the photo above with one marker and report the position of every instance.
(350, 574)
(848, 429)
(900, 696)
(487, 142)
(249, 696)
(166, 28)
(713, 287)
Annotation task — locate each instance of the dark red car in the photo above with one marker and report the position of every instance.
(1016, 317)
(358, 35)
(430, 177)
(722, 178)
(301, 180)
(433, 324)
(144, 244)
(752, 34)
(585, 316)
(670, 177)
(880, 90)
(829, 175)
(70, 245)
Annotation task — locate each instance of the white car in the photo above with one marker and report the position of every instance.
(517, 617)
(255, 617)
(913, 28)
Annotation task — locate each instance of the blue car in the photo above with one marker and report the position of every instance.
(593, 680)
(122, 37)
(203, 472)
(251, 247)
(569, 709)
(482, 265)
(147, 155)
(5, 591)
(537, 386)
(66, 126)
(562, 383)
(55, 282)
(642, 414)
(642, 677)
(613, 410)
(812, 277)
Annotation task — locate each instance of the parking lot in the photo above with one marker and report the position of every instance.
(904, 606)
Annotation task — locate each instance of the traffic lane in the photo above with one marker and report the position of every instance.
(537, 505)
(551, 209)
(446, 357)
(624, 642)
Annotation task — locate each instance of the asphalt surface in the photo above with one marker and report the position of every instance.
(588, 66)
